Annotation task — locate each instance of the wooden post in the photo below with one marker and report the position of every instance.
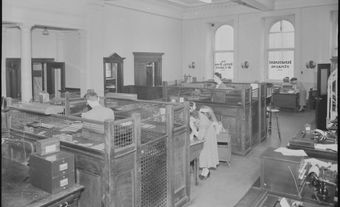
(165, 91)
(67, 111)
(170, 166)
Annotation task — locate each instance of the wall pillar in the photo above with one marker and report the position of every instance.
(3, 62)
(26, 57)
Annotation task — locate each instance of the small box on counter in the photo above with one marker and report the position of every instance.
(52, 173)
(47, 146)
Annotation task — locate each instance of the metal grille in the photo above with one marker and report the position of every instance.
(154, 174)
(123, 134)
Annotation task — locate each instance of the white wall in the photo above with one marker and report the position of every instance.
(127, 31)
(312, 41)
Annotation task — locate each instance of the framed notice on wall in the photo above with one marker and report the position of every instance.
(280, 64)
(224, 64)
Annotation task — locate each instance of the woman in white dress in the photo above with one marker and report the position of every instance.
(208, 127)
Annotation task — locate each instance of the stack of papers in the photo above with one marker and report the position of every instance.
(289, 152)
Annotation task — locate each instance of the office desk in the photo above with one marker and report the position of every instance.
(16, 190)
(303, 141)
(286, 101)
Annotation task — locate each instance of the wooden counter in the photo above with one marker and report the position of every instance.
(303, 141)
(286, 101)
(133, 163)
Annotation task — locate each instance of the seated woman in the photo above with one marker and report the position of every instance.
(298, 86)
(219, 82)
(97, 111)
(208, 127)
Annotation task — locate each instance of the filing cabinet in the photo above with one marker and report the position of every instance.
(52, 173)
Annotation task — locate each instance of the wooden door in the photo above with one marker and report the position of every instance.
(55, 78)
(13, 78)
(321, 97)
(148, 69)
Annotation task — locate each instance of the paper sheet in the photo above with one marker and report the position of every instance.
(289, 152)
(72, 128)
(333, 147)
(98, 146)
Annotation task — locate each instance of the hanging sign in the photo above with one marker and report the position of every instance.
(223, 65)
(280, 65)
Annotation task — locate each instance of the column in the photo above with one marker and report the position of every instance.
(3, 61)
(26, 57)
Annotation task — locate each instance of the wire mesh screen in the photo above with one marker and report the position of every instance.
(124, 134)
(153, 164)
(20, 119)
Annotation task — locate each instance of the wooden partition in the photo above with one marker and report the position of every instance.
(144, 92)
(231, 106)
(134, 162)
(177, 146)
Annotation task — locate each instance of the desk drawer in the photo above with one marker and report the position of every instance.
(68, 201)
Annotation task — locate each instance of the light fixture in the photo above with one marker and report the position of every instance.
(45, 31)
(310, 64)
(245, 64)
(206, 1)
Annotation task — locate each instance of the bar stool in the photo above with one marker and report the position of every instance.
(274, 110)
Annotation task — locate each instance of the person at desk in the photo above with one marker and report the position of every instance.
(97, 111)
(219, 82)
(208, 126)
(298, 86)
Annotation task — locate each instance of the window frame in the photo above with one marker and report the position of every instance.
(269, 22)
(214, 51)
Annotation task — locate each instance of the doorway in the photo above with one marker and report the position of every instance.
(13, 78)
(148, 69)
(39, 71)
(55, 78)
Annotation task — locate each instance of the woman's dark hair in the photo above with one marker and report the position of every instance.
(293, 79)
(218, 75)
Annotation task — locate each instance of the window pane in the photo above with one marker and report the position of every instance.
(287, 26)
(280, 64)
(288, 40)
(275, 40)
(224, 38)
(224, 64)
(275, 27)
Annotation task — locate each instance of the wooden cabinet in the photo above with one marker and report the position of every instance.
(113, 73)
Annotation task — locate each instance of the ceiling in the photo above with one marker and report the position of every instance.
(256, 4)
(193, 3)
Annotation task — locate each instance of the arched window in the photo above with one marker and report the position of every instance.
(281, 50)
(224, 51)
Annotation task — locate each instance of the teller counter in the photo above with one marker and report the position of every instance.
(125, 162)
(240, 108)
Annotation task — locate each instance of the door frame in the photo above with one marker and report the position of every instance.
(19, 76)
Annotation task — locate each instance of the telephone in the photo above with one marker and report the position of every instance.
(319, 135)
